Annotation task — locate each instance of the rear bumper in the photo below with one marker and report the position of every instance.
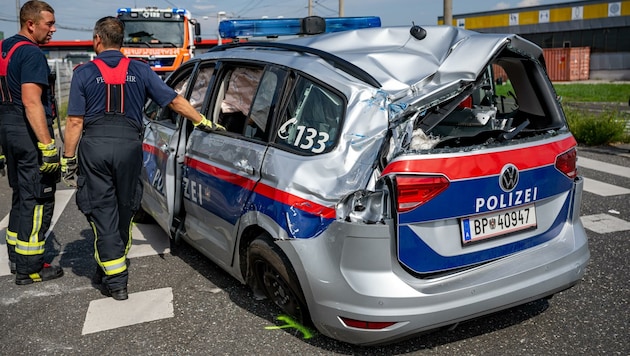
(351, 271)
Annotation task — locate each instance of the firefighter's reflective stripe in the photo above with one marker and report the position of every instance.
(130, 238)
(33, 246)
(114, 266)
(11, 238)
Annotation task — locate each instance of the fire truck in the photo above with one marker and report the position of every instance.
(164, 38)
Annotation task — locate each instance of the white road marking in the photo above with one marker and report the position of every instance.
(62, 197)
(107, 313)
(603, 189)
(603, 167)
(604, 223)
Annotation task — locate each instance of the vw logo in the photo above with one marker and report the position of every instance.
(508, 178)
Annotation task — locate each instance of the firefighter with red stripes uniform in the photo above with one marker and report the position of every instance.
(26, 134)
(107, 96)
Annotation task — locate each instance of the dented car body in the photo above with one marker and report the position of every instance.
(374, 182)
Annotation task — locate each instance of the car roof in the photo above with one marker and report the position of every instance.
(393, 57)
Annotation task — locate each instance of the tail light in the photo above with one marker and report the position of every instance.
(567, 163)
(414, 191)
(370, 325)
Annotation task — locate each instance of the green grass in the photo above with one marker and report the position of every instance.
(577, 92)
(605, 92)
(591, 128)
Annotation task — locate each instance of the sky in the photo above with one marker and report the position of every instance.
(76, 18)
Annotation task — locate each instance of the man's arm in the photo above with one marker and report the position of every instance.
(34, 109)
(74, 127)
(181, 106)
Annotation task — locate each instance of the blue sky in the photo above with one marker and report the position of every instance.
(75, 19)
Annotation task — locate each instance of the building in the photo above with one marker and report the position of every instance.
(599, 29)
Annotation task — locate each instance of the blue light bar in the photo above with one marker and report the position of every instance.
(291, 26)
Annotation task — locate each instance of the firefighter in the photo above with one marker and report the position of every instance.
(26, 134)
(107, 96)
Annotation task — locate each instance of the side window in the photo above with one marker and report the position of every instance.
(200, 88)
(310, 123)
(235, 96)
(181, 86)
(263, 103)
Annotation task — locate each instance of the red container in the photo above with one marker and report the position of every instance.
(567, 64)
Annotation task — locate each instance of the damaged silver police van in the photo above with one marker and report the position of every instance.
(375, 183)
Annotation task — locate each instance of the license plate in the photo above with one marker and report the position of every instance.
(480, 227)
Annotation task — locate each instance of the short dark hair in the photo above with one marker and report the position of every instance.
(111, 31)
(31, 10)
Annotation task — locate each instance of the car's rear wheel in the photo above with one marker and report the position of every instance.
(272, 274)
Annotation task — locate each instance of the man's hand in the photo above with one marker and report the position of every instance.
(50, 157)
(3, 172)
(206, 125)
(69, 170)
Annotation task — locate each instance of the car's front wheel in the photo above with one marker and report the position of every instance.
(271, 273)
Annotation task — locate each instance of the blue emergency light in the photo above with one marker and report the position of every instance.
(294, 26)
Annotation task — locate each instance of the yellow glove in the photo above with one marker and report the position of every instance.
(50, 157)
(206, 125)
(69, 170)
(3, 172)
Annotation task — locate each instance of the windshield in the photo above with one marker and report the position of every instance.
(154, 33)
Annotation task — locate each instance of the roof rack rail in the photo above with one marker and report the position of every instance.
(336, 61)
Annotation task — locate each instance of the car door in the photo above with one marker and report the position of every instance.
(164, 144)
(222, 168)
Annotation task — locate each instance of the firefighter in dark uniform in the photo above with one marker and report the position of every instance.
(107, 96)
(32, 161)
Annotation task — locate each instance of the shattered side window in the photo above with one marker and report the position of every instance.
(310, 123)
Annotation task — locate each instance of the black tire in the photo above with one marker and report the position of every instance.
(272, 274)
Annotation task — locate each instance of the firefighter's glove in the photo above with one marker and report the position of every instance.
(3, 172)
(206, 125)
(50, 157)
(69, 170)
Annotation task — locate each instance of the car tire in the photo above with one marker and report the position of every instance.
(271, 273)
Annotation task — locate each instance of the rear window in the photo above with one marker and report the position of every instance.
(310, 123)
(511, 100)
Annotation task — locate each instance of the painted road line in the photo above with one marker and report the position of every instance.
(107, 313)
(603, 167)
(604, 223)
(62, 197)
(603, 189)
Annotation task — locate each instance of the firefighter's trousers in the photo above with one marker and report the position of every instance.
(109, 190)
(33, 193)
